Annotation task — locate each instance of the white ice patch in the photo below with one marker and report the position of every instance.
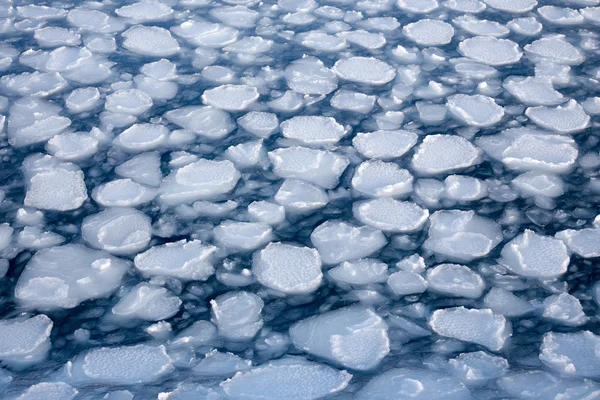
(313, 130)
(308, 75)
(147, 302)
(25, 341)
(231, 97)
(237, 315)
(569, 118)
(455, 280)
(391, 215)
(476, 110)
(384, 144)
(366, 70)
(150, 41)
(572, 354)
(490, 50)
(207, 122)
(382, 179)
(429, 32)
(439, 154)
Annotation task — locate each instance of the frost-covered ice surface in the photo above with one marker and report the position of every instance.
(300, 200)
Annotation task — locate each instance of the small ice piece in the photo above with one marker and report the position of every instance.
(288, 269)
(429, 32)
(39, 12)
(150, 41)
(583, 242)
(353, 101)
(143, 168)
(591, 14)
(289, 378)
(560, 15)
(48, 283)
(591, 105)
(126, 365)
(119, 231)
(354, 337)
(94, 21)
(391, 215)
(308, 75)
(52, 184)
(465, 188)
(564, 309)
(205, 121)
(384, 144)
(266, 212)
(246, 154)
(35, 238)
(533, 90)
(366, 70)
(338, 241)
(122, 193)
(466, 6)
(320, 167)
(313, 130)
(33, 84)
(540, 385)
(237, 315)
(481, 27)
(237, 16)
(405, 283)
(49, 391)
(555, 49)
(242, 236)
(216, 363)
(455, 280)
(260, 123)
(207, 34)
(185, 260)
(147, 302)
(478, 368)
(25, 341)
(480, 326)
(512, 6)
(570, 118)
(365, 39)
(536, 256)
(475, 110)
(501, 301)
(321, 41)
(142, 137)
(359, 272)
(301, 197)
(200, 180)
(490, 50)
(572, 354)
(414, 263)
(6, 232)
(443, 154)
(417, 6)
(534, 184)
(528, 26)
(248, 46)
(462, 235)
(32, 121)
(72, 146)
(382, 179)
(526, 149)
(128, 101)
(82, 99)
(413, 384)
(145, 11)
(231, 97)
(200, 333)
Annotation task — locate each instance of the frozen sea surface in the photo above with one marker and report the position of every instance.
(300, 200)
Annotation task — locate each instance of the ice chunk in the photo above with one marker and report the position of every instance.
(384, 144)
(288, 268)
(564, 309)
(320, 167)
(478, 368)
(584, 242)
(560, 15)
(237, 315)
(242, 236)
(40, 12)
(321, 41)
(264, 211)
(465, 188)
(405, 283)
(413, 384)
(482, 27)
(359, 272)
(455, 280)
(150, 41)
(122, 192)
(445, 153)
(382, 179)
(539, 385)
(536, 256)
(429, 32)
(25, 341)
(49, 391)
(362, 38)
(147, 302)
(480, 326)
(142, 137)
(207, 122)
(72, 146)
(261, 124)
(300, 197)
(128, 102)
(533, 90)
(572, 354)
(237, 16)
(200, 180)
(205, 33)
(570, 118)
(308, 75)
(467, 6)
(120, 231)
(216, 363)
(313, 130)
(555, 49)
(512, 6)
(338, 241)
(94, 21)
(490, 50)
(186, 260)
(475, 110)
(33, 84)
(391, 215)
(32, 121)
(354, 337)
(286, 379)
(6, 232)
(143, 168)
(366, 70)
(35, 239)
(591, 14)
(353, 101)
(145, 11)
(417, 6)
(126, 365)
(82, 99)
(231, 97)
(52, 184)
(501, 301)
(528, 26)
(539, 184)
